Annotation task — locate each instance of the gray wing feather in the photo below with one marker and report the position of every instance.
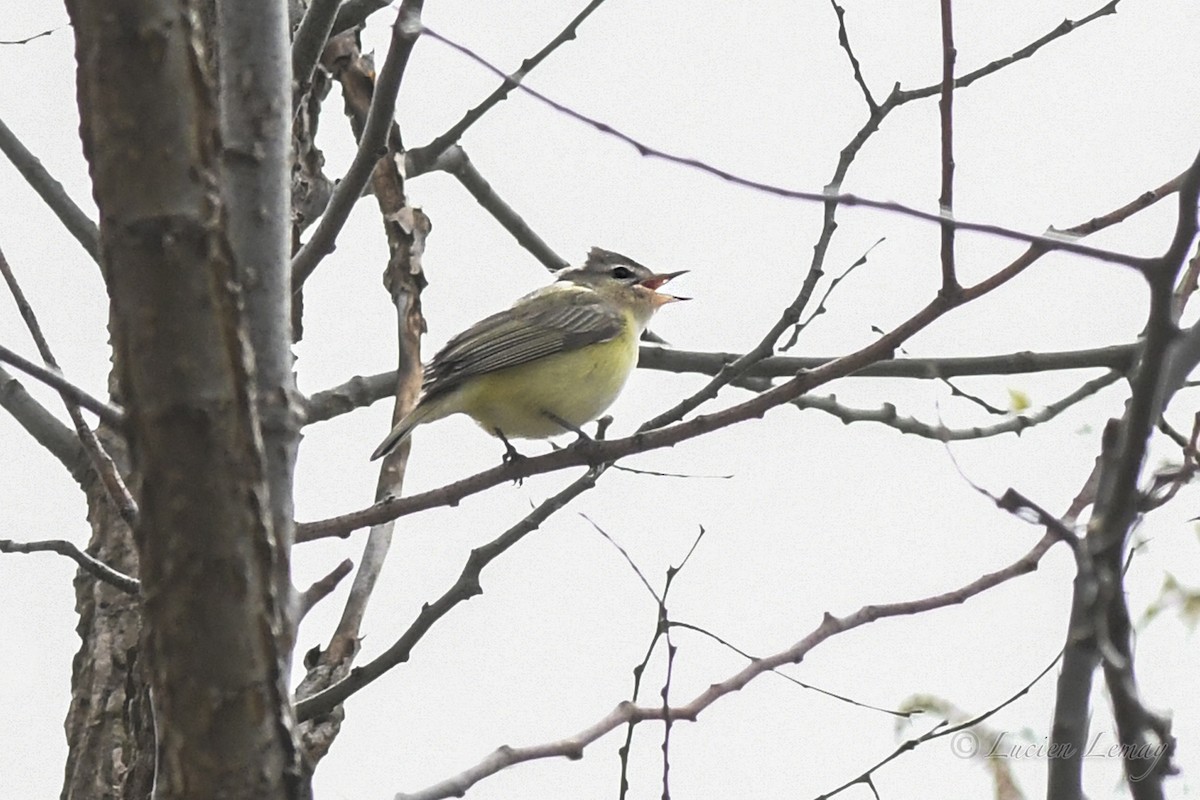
(540, 326)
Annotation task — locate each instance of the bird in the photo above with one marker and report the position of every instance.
(553, 361)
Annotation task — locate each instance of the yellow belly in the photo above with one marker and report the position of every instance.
(522, 402)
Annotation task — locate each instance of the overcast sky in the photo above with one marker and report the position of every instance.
(803, 514)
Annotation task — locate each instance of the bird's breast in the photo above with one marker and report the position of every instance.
(576, 386)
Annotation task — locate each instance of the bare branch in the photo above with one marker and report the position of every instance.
(743, 365)
(938, 732)
(946, 108)
(110, 477)
(29, 39)
(667, 721)
(1187, 286)
(406, 229)
(1048, 241)
(1147, 398)
(355, 12)
(454, 161)
(1139, 203)
(844, 41)
(1016, 423)
(51, 191)
(254, 77)
(1074, 685)
(324, 587)
(602, 452)
(466, 587)
(405, 31)
(1184, 353)
(363, 390)
(97, 569)
(658, 600)
(358, 392)
(628, 713)
(662, 630)
(310, 38)
(802, 300)
(1065, 27)
(1117, 507)
(790, 679)
(1100, 627)
(111, 414)
(609, 451)
(423, 158)
(44, 427)
(791, 314)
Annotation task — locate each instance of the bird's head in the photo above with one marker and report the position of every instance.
(622, 279)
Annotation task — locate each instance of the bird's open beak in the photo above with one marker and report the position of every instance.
(654, 282)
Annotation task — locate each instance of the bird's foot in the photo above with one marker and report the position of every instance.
(567, 426)
(511, 454)
(583, 442)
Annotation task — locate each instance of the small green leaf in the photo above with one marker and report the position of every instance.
(1018, 401)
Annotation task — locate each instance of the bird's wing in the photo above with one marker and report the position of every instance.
(539, 325)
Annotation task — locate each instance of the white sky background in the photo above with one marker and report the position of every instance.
(817, 516)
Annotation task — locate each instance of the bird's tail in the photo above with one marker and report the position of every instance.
(424, 412)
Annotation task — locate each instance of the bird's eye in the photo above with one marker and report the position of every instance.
(621, 273)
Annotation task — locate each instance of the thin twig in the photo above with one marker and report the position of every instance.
(87, 563)
(946, 109)
(844, 41)
(1017, 423)
(938, 732)
(29, 39)
(110, 477)
(662, 630)
(1062, 29)
(658, 600)
(666, 711)
(979, 401)
(750, 657)
(801, 326)
(324, 587)
(423, 158)
(108, 413)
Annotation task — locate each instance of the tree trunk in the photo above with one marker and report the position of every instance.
(110, 729)
(212, 552)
